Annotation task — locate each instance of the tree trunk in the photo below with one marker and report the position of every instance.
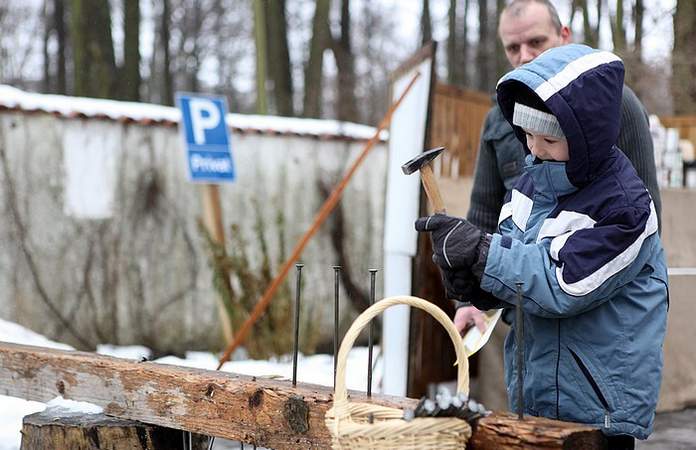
(57, 428)
(588, 31)
(131, 50)
(93, 49)
(46, 78)
(426, 24)
(345, 60)
(59, 24)
(482, 53)
(260, 40)
(463, 73)
(638, 12)
(313, 69)
(452, 44)
(279, 57)
(684, 58)
(167, 86)
(502, 65)
(618, 29)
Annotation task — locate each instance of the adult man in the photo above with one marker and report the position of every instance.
(527, 28)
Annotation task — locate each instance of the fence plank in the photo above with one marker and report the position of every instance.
(458, 117)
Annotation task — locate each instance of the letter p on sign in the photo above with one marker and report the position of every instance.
(207, 143)
(205, 115)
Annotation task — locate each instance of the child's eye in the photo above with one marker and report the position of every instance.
(550, 141)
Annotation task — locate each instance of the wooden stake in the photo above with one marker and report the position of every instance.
(212, 220)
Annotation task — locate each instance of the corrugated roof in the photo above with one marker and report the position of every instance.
(14, 99)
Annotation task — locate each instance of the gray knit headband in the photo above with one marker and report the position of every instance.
(537, 121)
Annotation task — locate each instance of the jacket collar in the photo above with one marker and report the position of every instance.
(549, 177)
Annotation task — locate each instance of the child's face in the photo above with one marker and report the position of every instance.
(548, 148)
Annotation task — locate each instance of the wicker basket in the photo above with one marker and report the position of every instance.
(348, 422)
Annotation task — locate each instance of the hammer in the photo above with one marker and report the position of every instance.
(423, 162)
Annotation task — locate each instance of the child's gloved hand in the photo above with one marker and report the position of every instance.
(463, 286)
(457, 244)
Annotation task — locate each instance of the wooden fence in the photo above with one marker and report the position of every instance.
(457, 119)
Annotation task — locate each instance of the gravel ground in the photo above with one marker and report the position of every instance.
(672, 431)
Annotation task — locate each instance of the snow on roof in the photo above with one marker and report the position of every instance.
(146, 113)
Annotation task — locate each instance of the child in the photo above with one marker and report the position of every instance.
(579, 231)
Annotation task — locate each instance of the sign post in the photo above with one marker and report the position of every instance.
(209, 161)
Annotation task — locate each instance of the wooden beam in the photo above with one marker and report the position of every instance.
(270, 413)
(266, 412)
(504, 430)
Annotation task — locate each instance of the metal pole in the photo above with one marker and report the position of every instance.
(298, 290)
(519, 341)
(373, 274)
(337, 277)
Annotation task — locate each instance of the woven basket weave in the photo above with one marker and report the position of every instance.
(348, 422)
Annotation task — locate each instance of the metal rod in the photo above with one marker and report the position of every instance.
(190, 435)
(298, 291)
(337, 278)
(373, 275)
(519, 341)
(211, 441)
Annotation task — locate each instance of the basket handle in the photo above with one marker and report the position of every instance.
(370, 313)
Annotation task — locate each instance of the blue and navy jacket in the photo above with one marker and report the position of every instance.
(581, 236)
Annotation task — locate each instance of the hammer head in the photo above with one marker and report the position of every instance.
(421, 160)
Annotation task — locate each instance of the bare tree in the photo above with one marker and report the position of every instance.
(345, 60)
(261, 58)
(638, 12)
(618, 28)
(93, 49)
(167, 86)
(313, 68)
(684, 58)
(130, 89)
(483, 53)
(279, 57)
(61, 36)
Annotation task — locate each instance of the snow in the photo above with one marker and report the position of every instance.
(316, 369)
(68, 106)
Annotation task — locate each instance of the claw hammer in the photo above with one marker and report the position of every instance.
(424, 163)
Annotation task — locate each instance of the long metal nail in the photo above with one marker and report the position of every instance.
(298, 290)
(211, 441)
(519, 341)
(373, 275)
(337, 278)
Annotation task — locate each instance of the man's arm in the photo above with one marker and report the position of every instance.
(488, 189)
(636, 143)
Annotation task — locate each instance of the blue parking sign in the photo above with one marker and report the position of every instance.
(208, 149)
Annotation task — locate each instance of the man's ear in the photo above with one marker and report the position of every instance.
(565, 35)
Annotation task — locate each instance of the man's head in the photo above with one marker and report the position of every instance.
(529, 27)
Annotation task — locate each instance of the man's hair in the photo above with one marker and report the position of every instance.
(516, 7)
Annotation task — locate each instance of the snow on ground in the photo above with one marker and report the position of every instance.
(316, 369)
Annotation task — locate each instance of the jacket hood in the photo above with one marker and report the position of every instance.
(582, 87)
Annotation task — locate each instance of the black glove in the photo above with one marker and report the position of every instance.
(457, 244)
(463, 286)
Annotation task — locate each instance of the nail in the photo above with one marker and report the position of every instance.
(337, 276)
(298, 291)
(373, 276)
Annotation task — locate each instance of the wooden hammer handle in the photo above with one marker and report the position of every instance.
(431, 189)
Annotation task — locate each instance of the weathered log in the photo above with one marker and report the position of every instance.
(57, 428)
(504, 430)
(270, 413)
